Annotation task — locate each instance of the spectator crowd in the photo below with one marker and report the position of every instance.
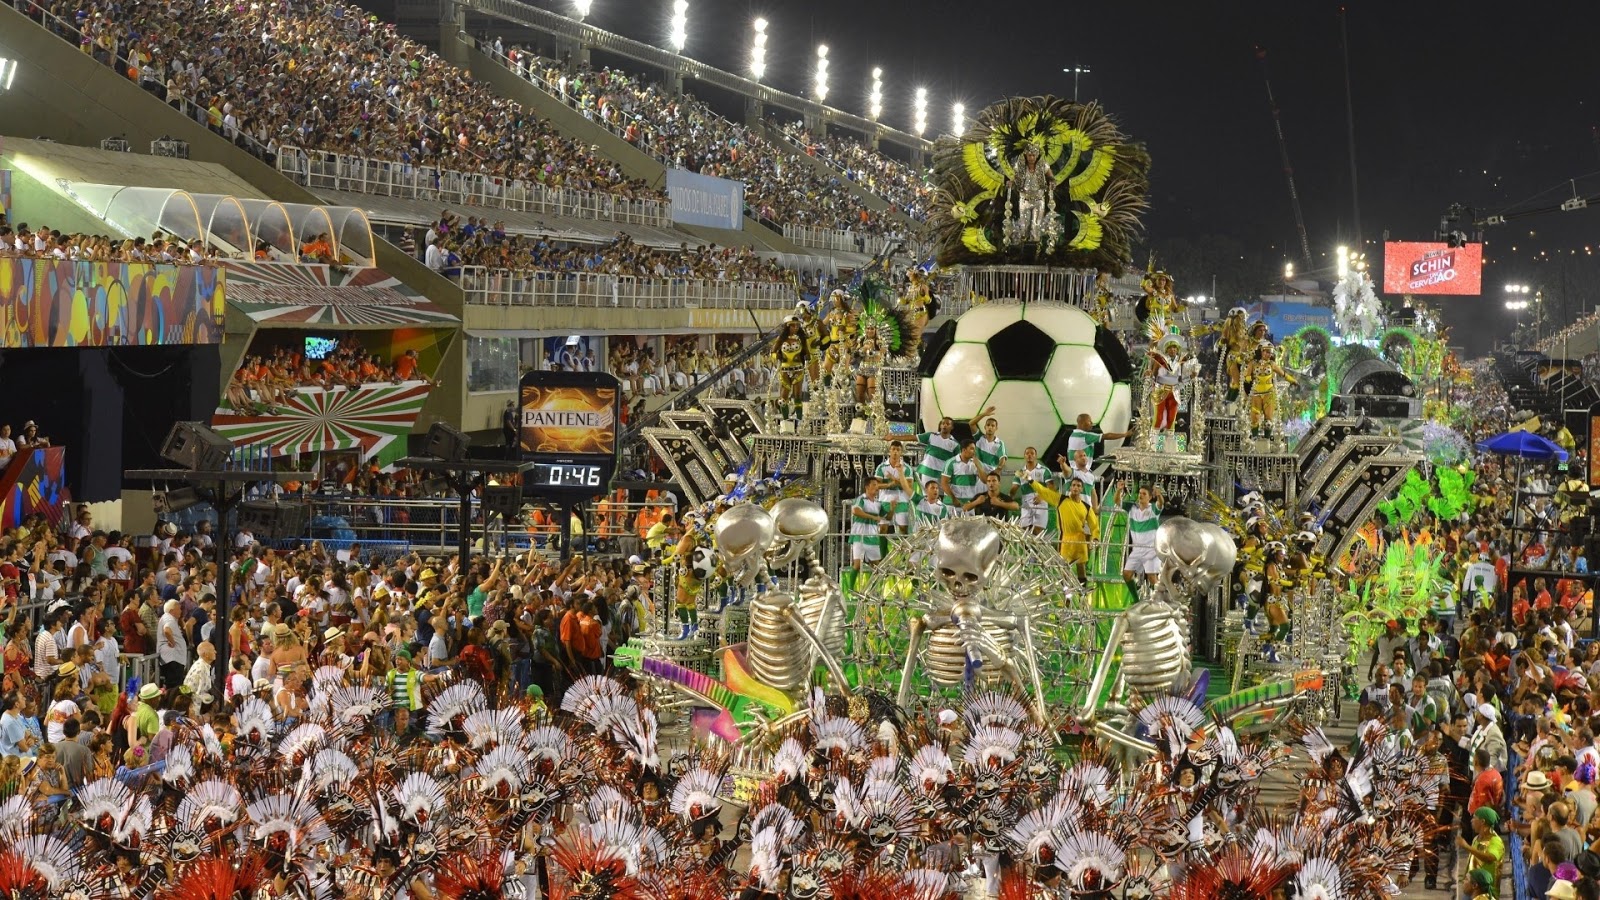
(882, 175)
(325, 75)
(452, 242)
(264, 380)
(685, 133)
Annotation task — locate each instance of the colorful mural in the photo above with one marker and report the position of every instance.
(372, 418)
(34, 483)
(315, 295)
(60, 303)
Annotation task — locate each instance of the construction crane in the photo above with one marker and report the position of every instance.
(1288, 170)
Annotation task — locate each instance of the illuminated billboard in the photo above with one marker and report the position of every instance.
(1414, 267)
(569, 413)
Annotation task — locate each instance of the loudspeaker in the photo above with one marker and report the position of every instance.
(502, 500)
(446, 443)
(175, 500)
(268, 520)
(196, 447)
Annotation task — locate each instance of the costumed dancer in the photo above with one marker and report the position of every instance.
(791, 354)
(837, 332)
(811, 324)
(1033, 203)
(1262, 374)
(918, 299)
(1160, 302)
(1170, 367)
(694, 561)
(871, 351)
(1235, 341)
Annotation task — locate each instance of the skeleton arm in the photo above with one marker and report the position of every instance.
(918, 626)
(835, 672)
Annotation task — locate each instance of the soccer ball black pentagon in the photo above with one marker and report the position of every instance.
(1039, 365)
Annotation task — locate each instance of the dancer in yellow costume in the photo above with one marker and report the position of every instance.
(1262, 374)
(918, 297)
(791, 354)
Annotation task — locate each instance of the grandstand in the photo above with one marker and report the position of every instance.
(364, 231)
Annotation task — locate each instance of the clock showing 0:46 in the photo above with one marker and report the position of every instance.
(564, 475)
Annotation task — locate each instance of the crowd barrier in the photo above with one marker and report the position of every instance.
(839, 240)
(391, 528)
(324, 170)
(528, 287)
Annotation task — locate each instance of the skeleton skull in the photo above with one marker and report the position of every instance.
(965, 555)
(799, 524)
(743, 534)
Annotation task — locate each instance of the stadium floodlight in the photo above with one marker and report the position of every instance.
(821, 87)
(958, 119)
(678, 37)
(875, 96)
(919, 109)
(758, 50)
(1343, 268)
(581, 8)
(8, 72)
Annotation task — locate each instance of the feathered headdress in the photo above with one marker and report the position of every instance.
(1100, 184)
(695, 797)
(453, 705)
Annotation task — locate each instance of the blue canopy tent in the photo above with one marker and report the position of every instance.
(1523, 445)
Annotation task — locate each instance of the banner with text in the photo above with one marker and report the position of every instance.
(703, 200)
(1419, 267)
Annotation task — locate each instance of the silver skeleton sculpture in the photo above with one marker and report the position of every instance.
(1153, 633)
(798, 619)
(966, 616)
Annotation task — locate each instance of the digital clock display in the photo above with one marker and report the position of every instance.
(567, 475)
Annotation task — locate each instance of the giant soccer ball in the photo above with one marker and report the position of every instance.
(1039, 365)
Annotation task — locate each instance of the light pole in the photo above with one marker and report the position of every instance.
(1343, 267)
(875, 95)
(919, 109)
(758, 50)
(1517, 300)
(1076, 71)
(678, 37)
(820, 88)
(958, 119)
(581, 8)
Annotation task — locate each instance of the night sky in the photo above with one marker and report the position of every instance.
(1489, 105)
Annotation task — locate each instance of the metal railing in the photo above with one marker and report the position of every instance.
(839, 240)
(531, 287)
(324, 170)
(392, 527)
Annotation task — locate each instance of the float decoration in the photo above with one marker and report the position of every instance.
(1040, 180)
